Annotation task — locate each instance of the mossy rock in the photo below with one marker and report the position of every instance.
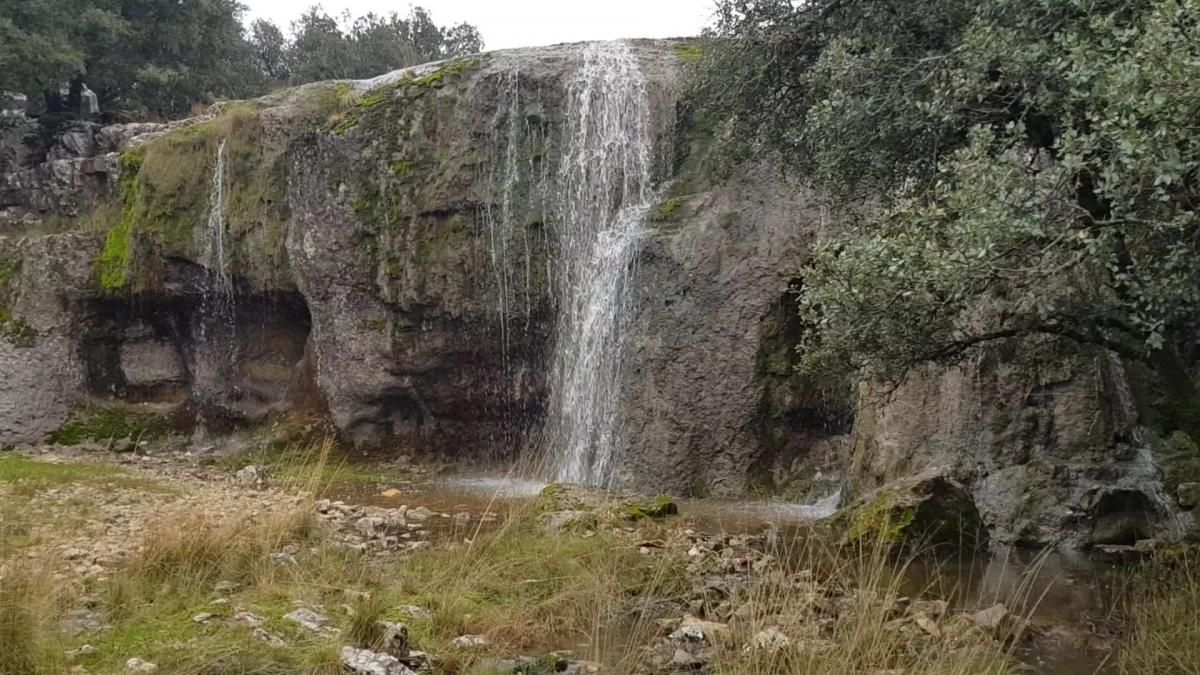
(927, 510)
(106, 424)
(659, 507)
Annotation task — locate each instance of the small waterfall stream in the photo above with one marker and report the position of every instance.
(216, 343)
(604, 183)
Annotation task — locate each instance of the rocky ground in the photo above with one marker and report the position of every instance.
(576, 581)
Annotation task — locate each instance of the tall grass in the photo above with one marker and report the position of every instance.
(1162, 615)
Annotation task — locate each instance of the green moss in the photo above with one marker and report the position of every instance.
(689, 52)
(401, 169)
(659, 507)
(15, 331)
(439, 77)
(881, 520)
(102, 425)
(668, 211)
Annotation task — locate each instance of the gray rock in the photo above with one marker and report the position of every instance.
(309, 619)
(365, 662)
(1188, 495)
(470, 642)
(252, 477)
(771, 639)
(249, 619)
(272, 640)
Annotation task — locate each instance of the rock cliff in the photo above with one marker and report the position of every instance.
(390, 248)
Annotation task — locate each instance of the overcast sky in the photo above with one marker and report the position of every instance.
(525, 23)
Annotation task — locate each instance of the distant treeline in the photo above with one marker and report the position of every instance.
(161, 58)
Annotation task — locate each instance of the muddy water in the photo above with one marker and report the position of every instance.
(1065, 597)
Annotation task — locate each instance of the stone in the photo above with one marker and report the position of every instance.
(83, 650)
(1188, 495)
(309, 619)
(225, 586)
(420, 513)
(414, 612)
(692, 629)
(391, 493)
(395, 639)
(928, 625)
(771, 639)
(249, 619)
(470, 642)
(366, 662)
(992, 619)
(136, 665)
(688, 661)
(203, 617)
(252, 477)
(270, 639)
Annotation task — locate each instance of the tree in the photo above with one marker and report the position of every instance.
(270, 49)
(372, 44)
(999, 169)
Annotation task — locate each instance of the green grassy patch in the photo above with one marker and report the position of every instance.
(27, 475)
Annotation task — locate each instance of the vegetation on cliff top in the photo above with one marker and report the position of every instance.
(161, 57)
(998, 169)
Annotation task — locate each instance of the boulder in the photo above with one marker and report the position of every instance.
(929, 508)
(366, 662)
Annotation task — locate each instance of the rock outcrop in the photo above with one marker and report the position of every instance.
(386, 256)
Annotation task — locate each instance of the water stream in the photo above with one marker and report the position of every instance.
(216, 343)
(604, 184)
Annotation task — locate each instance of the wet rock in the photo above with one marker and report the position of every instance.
(470, 642)
(136, 665)
(309, 619)
(928, 508)
(366, 662)
(995, 620)
(1188, 495)
(419, 514)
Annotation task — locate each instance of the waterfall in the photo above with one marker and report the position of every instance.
(215, 344)
(604, 184)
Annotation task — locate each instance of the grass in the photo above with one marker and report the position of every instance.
(1162, 611)
(25, 476)
(530, 592)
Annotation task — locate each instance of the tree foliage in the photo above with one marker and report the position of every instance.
(161, 57)
(329, 48)
(996, 168)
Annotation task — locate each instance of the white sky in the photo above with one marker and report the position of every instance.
(525, 23)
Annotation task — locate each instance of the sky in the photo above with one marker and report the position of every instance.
(525, 23)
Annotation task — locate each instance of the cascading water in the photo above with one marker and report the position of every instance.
(215, 346)
(604, 183)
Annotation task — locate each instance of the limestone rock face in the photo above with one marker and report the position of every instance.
(388, 254)
(698, 402)
(1057, 458)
